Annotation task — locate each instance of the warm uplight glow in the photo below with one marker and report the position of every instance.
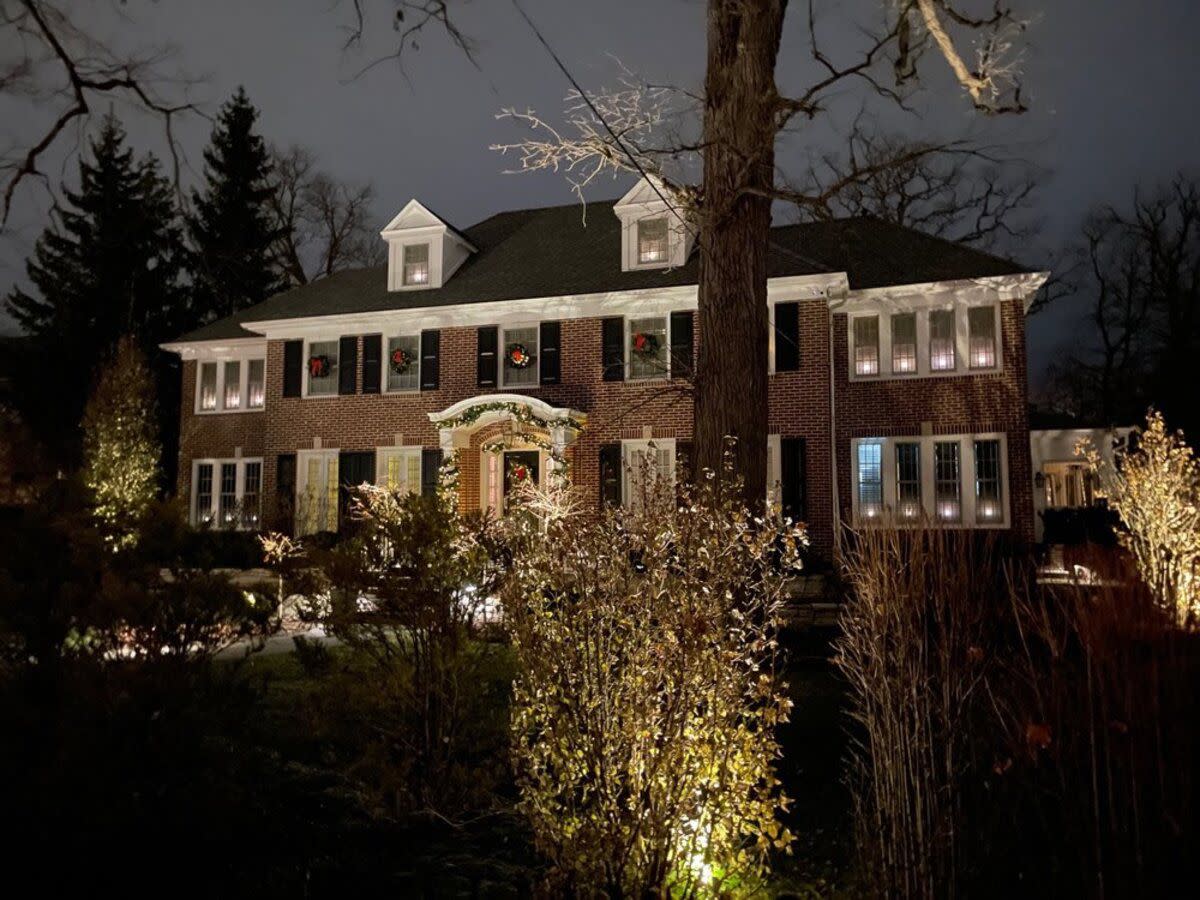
(989, 510)
(947, 510)
(909, 510)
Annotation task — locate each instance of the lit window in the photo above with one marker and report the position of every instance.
(251, 494)
(256, 384)
(941, 340)
(987, 481)
(322, 368)
(904, 342)
(866, 345)
(404, 363)
(652, 240)
(981, 325)
(227, 510)
(204, 486)
(520, 366)
(870, 479)
(648, 347)
(946, 483)
(908, 480)
(233, 385)
(416, 264)
(208, 385)
(400, 469)
(649, 469)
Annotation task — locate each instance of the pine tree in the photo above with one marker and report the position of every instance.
(120, 445)
(111, 264)
(231, 227)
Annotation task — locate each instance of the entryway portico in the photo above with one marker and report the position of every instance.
(492, 442)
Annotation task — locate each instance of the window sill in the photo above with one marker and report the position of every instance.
(230, 412)
(911, 376)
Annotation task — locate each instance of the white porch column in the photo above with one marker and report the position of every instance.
(559, 438)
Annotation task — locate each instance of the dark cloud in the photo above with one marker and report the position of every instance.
(1114, 87)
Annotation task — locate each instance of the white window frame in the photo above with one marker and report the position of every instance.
(240, 490)
(637, 242)
(308, 342)
(501, 355)
(491, 474)
(243, 384)
(428, 282)
(775, 474)
(922, 307)
(386, 378)
(966, 476)
(302, 459)
(405, 454)
(644, 444)
(629, 376)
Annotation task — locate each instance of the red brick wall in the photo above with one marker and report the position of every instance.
(799, 407)
(950, 404)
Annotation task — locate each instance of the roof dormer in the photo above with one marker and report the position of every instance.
(423, 250)
(656, 232)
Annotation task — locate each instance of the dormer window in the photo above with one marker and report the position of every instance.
(652, 240)
(416, 264)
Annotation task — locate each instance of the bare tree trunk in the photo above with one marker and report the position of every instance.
(739, 167)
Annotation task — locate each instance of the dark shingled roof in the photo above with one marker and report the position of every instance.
(554, 251)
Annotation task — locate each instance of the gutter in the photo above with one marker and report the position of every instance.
(832, 306)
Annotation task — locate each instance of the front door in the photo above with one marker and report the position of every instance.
(520, 468)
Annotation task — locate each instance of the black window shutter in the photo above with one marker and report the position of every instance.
(353, 470)
(486, 368)
(681, 344)
(285, 489)
(610, 475)
(431, 471)
(430, 344)
(613, 348)
(348, 364)
(293, 367)
(549, 360)
(787, 337)
(372, 363)
(793, 476)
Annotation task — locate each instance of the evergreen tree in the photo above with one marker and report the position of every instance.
(111, 264)
(120, 445)
(231, 226)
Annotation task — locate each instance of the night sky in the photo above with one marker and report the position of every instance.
(1113, 86)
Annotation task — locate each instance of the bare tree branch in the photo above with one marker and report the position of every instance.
(410, 19)
(57, 63)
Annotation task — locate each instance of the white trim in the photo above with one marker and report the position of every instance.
(305, 375)
(386, 375)
(240, 463)
(540, 407)
(220, 348)
(502, 356)
(221, 362)
(487, 472)
(921, 308)
(966, 476)
(666, 374)
(406, 453)
(325, 455)
(644, 444)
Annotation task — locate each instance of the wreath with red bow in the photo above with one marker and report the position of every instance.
(645, 343)
(318, 366)
(519, 472)
(518, 357)
(401, 360)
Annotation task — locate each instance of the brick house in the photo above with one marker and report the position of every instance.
(539, 340)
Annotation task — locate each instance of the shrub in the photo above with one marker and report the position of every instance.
(646, 700)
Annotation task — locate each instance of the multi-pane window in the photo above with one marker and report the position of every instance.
(987, 481)
(648, 347)
(1068, 484)
(256, 384)
(251, 494)
(649, 471)
(866, 345)
(233, 385)
(227, 509)
(652, 240)
(208, 385)
(941, 340)
(204, 493)
(904, 343)
(400, 469)
(322, 368)
(908, 480)
(404, 363)
(416, 264)
(981, 327)
(947, 488)
(870, 479)
(519, 368)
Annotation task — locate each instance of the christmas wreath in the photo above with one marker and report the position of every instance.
(518, 357)
(401, 360)
(318, 366)
(645, 343)
(519, 472)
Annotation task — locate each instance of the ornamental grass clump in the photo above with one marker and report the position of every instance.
(647, 696)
